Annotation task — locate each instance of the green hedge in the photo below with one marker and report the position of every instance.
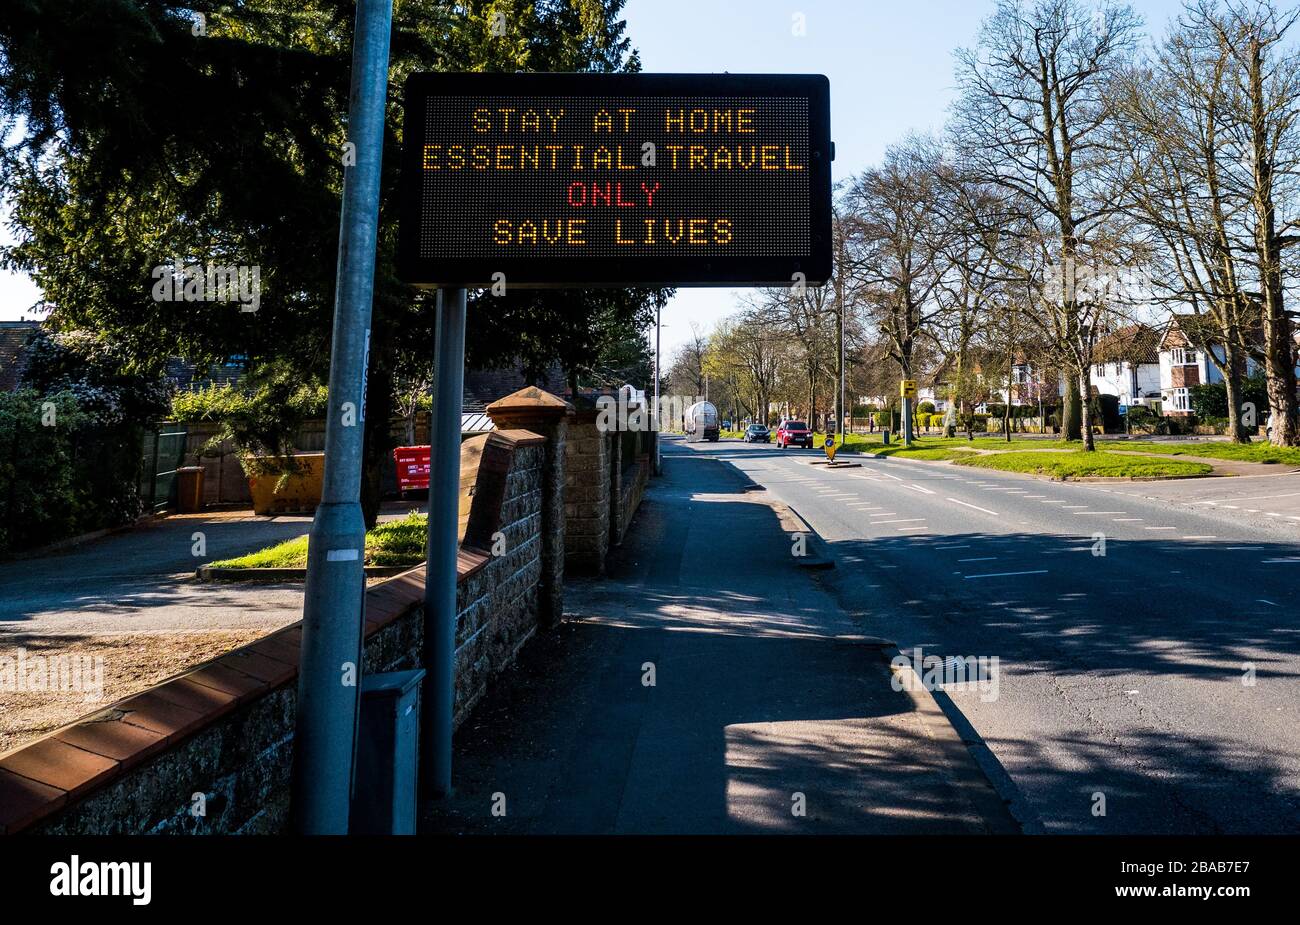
(65, 469)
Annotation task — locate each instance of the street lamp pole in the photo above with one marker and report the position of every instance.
(329, 675)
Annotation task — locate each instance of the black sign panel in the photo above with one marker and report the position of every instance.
(616, 179)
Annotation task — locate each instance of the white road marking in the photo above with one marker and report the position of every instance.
(1159, 528)
(1099, 512)
(1262, 601)
(901, 520)
(1125, 520)
(979, 559)
(1037, 571)
(1076, 505)
(1205, 536)
(984, 509)
(1289, 494)
(915, 487)
(963, 546)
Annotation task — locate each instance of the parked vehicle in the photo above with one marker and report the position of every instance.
(757, 433)
(793, 433)
(701, 422)
(726, 425)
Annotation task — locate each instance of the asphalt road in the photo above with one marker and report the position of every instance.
(1154, 688)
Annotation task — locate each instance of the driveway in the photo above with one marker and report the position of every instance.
(120, 613)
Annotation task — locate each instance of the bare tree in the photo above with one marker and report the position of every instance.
(1264, 92)
(1033, 120)
(895, 244)
(1172, 132)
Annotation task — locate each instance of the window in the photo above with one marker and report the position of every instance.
(1183, 357)
(1180, 400)
(1101, 370)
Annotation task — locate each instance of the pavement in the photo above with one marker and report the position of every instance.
(708, 684)
(1146, 633)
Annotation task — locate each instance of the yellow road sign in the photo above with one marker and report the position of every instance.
(907, 388)
(830, 447)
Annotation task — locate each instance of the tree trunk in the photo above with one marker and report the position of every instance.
(378, 442)
(1071, 410)
(1233, 368)
(1085, 411)
(1006, 407)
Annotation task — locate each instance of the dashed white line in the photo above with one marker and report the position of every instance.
(984, 509)
(1037, 571)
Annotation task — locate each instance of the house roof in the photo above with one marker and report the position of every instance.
(1201, 330)
(1133, 343)
(188, 377)
(484, 386)
(13, 351)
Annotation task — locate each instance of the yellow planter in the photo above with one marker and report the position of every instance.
(297, 493)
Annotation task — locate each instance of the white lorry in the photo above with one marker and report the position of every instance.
(701, 422)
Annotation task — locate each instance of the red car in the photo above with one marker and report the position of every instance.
(793, 433)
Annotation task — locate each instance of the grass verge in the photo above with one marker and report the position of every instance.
(398, 542)
(1087, 465)
(1259, 451)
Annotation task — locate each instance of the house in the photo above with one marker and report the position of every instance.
(14, 336)
(1184, 362)
(1126, 364)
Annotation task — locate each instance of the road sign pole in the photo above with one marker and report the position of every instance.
(658, 466)
(439, 701)
(330, 663)
(907, 422)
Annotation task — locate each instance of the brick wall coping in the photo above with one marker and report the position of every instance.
(39, 778)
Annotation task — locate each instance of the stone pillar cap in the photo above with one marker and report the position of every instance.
(528, 405)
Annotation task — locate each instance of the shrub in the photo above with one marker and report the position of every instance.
(260, 415)
(881, 418)
(71, 439)
(926, 407)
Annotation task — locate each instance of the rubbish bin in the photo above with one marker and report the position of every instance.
(384, 799)
(189, 489)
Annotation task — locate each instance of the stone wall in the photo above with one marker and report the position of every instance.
(587, 488)
(632, 484)
(221, 735)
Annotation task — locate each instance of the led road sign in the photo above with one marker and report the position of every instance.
(616, 179)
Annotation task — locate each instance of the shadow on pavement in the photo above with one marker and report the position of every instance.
(699, 688)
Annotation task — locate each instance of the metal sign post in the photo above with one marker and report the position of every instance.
(439, 702)
(329, 673)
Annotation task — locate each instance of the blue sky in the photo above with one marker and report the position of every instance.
(889, 64)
